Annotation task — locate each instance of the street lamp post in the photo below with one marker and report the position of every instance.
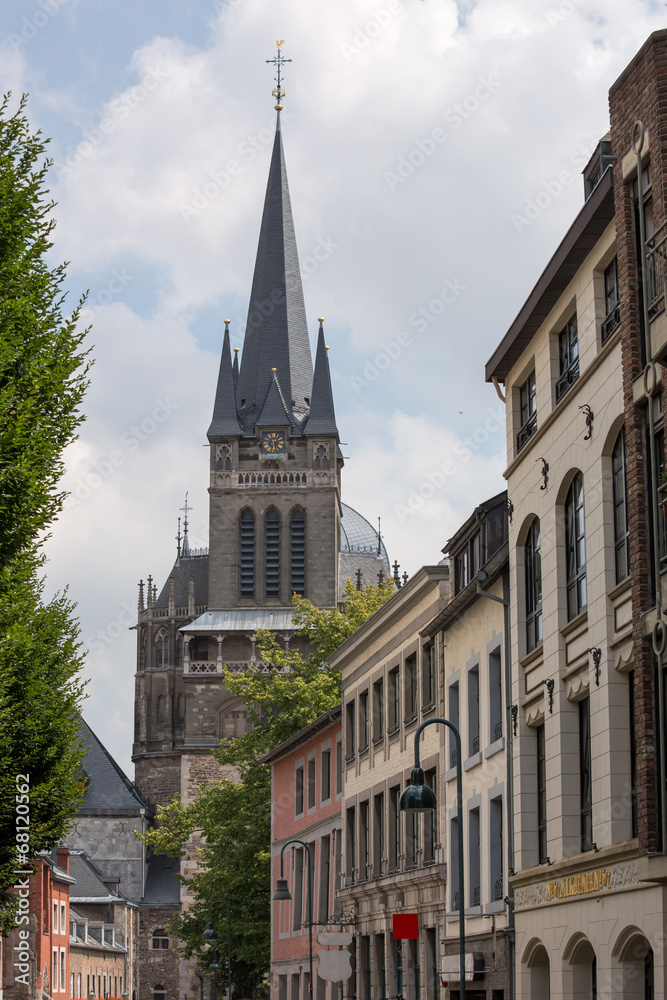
(282, 892)
(418, 797)
(210, 934)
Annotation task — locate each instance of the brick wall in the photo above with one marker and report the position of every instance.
(639, 93)
(157, 967)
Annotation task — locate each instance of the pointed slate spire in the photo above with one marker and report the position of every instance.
(225, 423)
(276, 332)
(275, 412)
(322, 419)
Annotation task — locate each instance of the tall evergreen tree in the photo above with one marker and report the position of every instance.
(42, 381)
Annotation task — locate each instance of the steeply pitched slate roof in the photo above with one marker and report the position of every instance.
(184, 568)
(109, 792)
(224, 422)
(162, 885)
(89, 884)
(276, 332)
(322, 419)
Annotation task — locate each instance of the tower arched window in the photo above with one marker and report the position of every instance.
(321, 457)
(621, 528)
(533, 565)
(247, 543)
(298, 553)
(161, 649)
(272, 553)
(575, 547)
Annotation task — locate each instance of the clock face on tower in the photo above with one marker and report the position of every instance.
(273, 443)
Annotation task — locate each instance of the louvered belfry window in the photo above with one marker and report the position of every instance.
(247, 539)
(272, 543)
(298, 553)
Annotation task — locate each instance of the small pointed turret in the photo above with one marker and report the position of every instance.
(224, 423)
(274, 412)
(322, 419)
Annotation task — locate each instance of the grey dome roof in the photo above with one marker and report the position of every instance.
(358, 535)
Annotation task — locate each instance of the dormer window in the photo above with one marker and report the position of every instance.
(467, 563)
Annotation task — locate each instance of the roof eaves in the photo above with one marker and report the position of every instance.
(458, 605)
(330, 718)
(581, 237)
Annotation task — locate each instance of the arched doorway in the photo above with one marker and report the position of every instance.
(634, 966)
(580, 978)
(537, 971)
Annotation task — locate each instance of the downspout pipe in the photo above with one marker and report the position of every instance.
(509, 751)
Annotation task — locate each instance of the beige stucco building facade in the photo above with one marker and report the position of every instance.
(586, 926)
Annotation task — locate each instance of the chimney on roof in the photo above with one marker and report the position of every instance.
(62, 858)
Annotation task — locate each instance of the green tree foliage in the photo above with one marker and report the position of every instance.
(42, 381)
(235, 815)
(42, 367)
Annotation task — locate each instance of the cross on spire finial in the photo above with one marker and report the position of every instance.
(279, 61)
(185, 550)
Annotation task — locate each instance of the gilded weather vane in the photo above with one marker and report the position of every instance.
(279, 62)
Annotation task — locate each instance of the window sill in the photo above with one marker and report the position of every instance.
(350, 759)
(575, 623)
(472, 761)
(532, 657)
(497, 906)
(494, 748)
(409, 719)
(450, 774)
(427, 709)
(378, 739)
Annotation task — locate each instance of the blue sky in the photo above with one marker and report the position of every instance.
(417, 135)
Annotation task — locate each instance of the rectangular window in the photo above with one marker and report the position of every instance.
(325, 774)
(412, 838)
(63, 980)
(378, 711)
(585, 789)
(88, 984)
(497, 848)
(339, 767)
(297, 896)
(325, 879)
(428, 675)
(568, 357)
(415, 993)
(394, 701)
(55, 918)
(454, 865)
(454, 719)
(495, 696)
(363, 721)
(351, 846)
(541, 795)
(527, 411)
(63, 919)
(298, 791)
(338, 868)
(433, 978)
(394, 828)
(364, 840)
(410, 688)
(349, 730)
(430, 820)
(611, 304)
(365, 966)
(474, 857)
(473, 711)
(379, 859)
(55, 969)
(533, 565)
(295, 986)
(311, 783)
(620, 493)
(381, 966)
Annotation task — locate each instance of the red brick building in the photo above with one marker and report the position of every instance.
(306, 788)
(35, 955)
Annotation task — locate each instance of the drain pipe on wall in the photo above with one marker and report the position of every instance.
(509, 751)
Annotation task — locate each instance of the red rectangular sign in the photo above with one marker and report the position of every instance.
(405, 925)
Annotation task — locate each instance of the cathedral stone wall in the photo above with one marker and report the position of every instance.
(158, 777)
(110, 841)
(157, 967)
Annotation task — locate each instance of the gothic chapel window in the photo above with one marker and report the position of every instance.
(247, 541)
(298, 553)
(321, 456)
(161, 649)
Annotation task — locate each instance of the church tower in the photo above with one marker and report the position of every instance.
(275, 525)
